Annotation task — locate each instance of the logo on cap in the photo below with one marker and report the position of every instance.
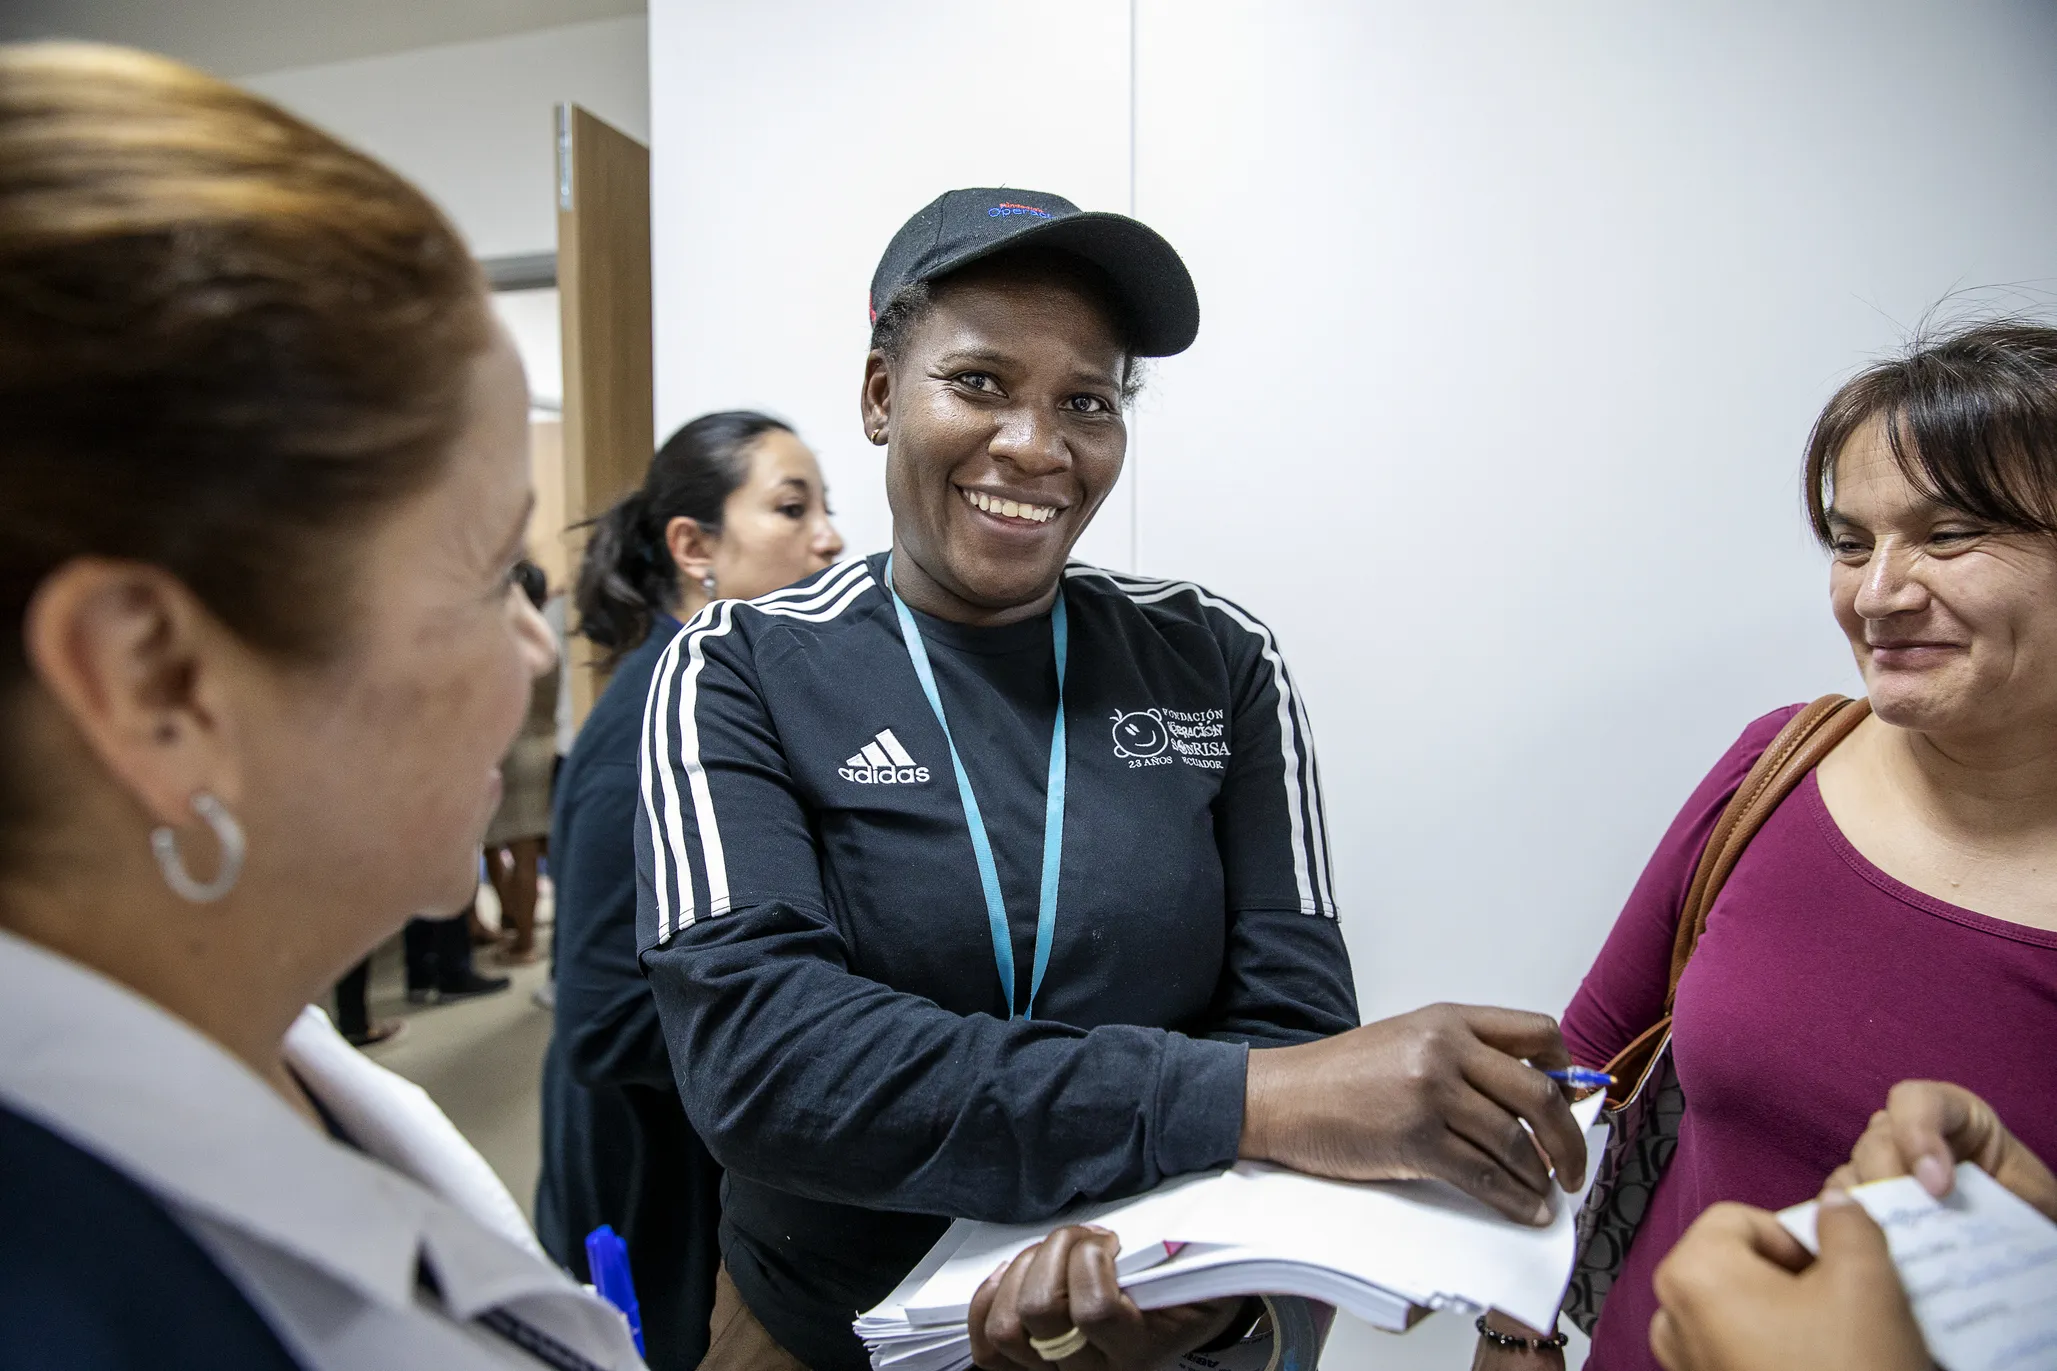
(1002, 211)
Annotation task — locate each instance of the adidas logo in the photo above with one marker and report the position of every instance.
(882, 761)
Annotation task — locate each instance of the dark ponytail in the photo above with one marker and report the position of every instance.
(627, 576)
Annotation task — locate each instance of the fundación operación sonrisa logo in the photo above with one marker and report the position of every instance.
(1160, 737)
(883, 761)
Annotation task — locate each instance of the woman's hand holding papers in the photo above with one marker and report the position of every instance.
(1066, 1282)
(1738, 1293)
(1442, 1093)
(1927, 1127)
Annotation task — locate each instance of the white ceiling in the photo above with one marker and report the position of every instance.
(243, 37)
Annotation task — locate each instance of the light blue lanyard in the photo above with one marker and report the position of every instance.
(981, 845)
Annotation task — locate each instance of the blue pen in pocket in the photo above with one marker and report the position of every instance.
(607, 1257)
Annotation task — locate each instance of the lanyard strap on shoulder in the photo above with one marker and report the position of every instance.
(981, 844)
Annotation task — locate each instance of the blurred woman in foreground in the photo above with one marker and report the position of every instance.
(266, 477)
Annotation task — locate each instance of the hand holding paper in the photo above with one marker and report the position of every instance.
(1387, 1252)
(1978, 1266)
(1740, 1293)
(1069, 1281)
(1927, 1127)
(1937, 1231)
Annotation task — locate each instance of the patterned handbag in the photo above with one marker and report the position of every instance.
(1645, 1104)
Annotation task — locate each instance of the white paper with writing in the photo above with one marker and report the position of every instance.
(1979, 1267)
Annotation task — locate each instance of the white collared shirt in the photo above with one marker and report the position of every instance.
(329, 1244)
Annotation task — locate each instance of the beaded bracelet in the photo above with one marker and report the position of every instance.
(1519, 1344)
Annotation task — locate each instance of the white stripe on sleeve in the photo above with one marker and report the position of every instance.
(823, 600)
(654, 759)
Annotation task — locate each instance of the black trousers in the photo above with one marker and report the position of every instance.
(438, 953)
(353, 1019)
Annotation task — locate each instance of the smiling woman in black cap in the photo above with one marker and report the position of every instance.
(978, 883)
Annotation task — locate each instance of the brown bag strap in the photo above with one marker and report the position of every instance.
(1808, 737)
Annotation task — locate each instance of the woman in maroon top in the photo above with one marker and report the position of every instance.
(1896, 916)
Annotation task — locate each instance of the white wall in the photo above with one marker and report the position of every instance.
(532, 319)
(794, 136)
(473, 123)
(1515, 318)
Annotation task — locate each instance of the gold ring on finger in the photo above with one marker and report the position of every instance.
(1069, 1343)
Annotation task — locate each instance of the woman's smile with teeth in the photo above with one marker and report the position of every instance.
(1011, 509)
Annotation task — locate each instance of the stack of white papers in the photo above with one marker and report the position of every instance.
(1386, 1252)
(1979, 1267)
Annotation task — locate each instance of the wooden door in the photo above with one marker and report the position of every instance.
(603, 283)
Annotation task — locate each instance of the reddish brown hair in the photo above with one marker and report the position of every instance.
(226, 342)
(1971, 418)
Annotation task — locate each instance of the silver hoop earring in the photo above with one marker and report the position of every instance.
(707, 584)
(228, 836)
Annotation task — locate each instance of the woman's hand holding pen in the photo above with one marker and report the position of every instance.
(1440, 1093)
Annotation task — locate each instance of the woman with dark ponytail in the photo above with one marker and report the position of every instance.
(669, 548)
(733, 507)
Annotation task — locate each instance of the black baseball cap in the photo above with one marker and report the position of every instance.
(959, 227)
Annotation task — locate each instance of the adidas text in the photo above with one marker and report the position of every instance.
(884, 775)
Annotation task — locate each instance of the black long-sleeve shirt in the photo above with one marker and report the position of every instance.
(812, 923)
(604, 1010)
(617, 1147)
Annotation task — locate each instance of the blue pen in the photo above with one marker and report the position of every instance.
(607, 1258)
(1581, 1078)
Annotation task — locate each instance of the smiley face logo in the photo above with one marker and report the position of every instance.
(1140, 733)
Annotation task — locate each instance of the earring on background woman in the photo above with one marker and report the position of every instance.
(707, 584)
(228, 835)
